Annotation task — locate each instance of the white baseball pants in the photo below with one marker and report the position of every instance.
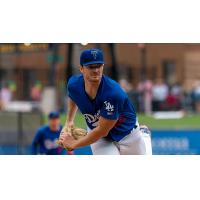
(136, 143)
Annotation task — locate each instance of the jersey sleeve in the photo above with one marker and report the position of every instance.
(71, 89)
(111, 108)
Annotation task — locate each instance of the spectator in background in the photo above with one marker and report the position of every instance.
(160, 92)
(196, 94)
(145, 89)
(126, 86)
(132, 94)
(5, 96)
(171, 103)
(36, 91)
(45, 140)
(177, 92)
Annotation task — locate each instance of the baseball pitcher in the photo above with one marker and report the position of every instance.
(112, 125)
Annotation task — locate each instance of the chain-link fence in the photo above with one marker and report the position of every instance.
(17, 130)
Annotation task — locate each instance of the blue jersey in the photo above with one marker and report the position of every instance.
(45, 142)
(111, 102)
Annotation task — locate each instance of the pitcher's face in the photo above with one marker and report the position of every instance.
(92, 73)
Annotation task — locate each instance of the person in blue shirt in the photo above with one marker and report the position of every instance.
(111, 118)
(45, 140)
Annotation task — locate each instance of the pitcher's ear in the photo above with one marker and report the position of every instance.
(81, 68)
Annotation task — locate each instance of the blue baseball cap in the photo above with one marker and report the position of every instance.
(53, 115)
(91, 56)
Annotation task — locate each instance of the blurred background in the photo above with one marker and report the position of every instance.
(162, 81)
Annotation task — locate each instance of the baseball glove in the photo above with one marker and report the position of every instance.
(75, 132)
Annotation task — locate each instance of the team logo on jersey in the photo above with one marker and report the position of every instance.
(49, 144)
(109, 107)
(92, 119)
(94, 54)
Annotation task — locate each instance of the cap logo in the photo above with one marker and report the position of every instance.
(94, 54)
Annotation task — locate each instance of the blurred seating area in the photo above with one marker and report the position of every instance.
(147, 96)
(155, 96)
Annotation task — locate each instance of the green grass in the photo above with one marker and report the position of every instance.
(79, 120)
(187, 122)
